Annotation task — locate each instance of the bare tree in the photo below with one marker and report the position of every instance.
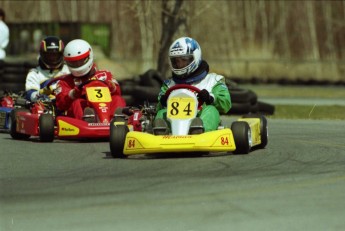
(143, 9)
(264, 26)
(312, 30)
(172, 19)
(329, 43)
(282, 32)
(235, 31)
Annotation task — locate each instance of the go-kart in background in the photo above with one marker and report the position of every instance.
(135, 89)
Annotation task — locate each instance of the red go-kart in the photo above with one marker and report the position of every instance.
(41, 119)
(7, 103)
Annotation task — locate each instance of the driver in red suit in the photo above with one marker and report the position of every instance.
(78, 55)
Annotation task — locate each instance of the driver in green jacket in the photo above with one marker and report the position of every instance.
(188, 68)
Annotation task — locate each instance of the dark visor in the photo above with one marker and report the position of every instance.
(181, 62)
(78, 63)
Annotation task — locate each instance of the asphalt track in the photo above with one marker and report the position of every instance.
(296, 183)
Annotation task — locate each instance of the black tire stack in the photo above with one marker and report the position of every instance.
(246, 101)
(13, 75)
(142, 88)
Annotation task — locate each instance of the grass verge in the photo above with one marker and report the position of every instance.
(309, 112)
(325, 92)
(317, 112)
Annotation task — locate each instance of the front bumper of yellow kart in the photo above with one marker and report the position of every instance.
(145, 143)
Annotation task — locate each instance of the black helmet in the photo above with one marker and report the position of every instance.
(51, 52)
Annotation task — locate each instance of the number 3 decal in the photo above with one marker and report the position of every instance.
(98, 93)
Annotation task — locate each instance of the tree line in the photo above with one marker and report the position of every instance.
(268, 39)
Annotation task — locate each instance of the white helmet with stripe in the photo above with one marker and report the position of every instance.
(78, 55)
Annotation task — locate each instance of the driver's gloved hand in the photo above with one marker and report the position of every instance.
(42, 97)
(75, 93)
(205, 96)
(163, 100)
(45, 91)
(111, 85)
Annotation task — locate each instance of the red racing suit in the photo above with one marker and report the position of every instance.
(75, 106)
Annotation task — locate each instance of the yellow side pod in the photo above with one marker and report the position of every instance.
(254, 124)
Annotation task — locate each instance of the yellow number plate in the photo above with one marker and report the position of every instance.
(181, 108)
(98, 94)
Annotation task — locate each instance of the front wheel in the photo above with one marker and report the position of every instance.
(13, 126)
(46, 128)
(242, 136)
(118, 132)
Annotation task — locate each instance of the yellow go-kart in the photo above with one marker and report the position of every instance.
(246, 133)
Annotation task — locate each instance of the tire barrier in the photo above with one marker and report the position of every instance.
(246, 101)
(13, 75)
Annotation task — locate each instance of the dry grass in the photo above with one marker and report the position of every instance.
(309, 112)
(326, 92)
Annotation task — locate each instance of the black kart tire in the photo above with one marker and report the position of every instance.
(239, 108)
(263, 132)
(13, 87)
(242, 136)
(266, 108)
(151, 78)
(130, 100)
(20, 69)
(46, 128)
(242, 96)
(117, 137)
(8, 122)
(13, 77)
(143, 94)
(13, 127)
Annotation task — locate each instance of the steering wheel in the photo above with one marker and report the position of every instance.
(53, 80)
(183, 86)
(80, 86)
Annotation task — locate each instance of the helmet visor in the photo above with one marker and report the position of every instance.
(181, 61)
(52, 58)
(77, 63)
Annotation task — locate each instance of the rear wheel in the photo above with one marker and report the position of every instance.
(13, 127)
(263, 129)
(8, 122)
(242, 136)
(263, 132)
(46, 128)
(118, 132)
